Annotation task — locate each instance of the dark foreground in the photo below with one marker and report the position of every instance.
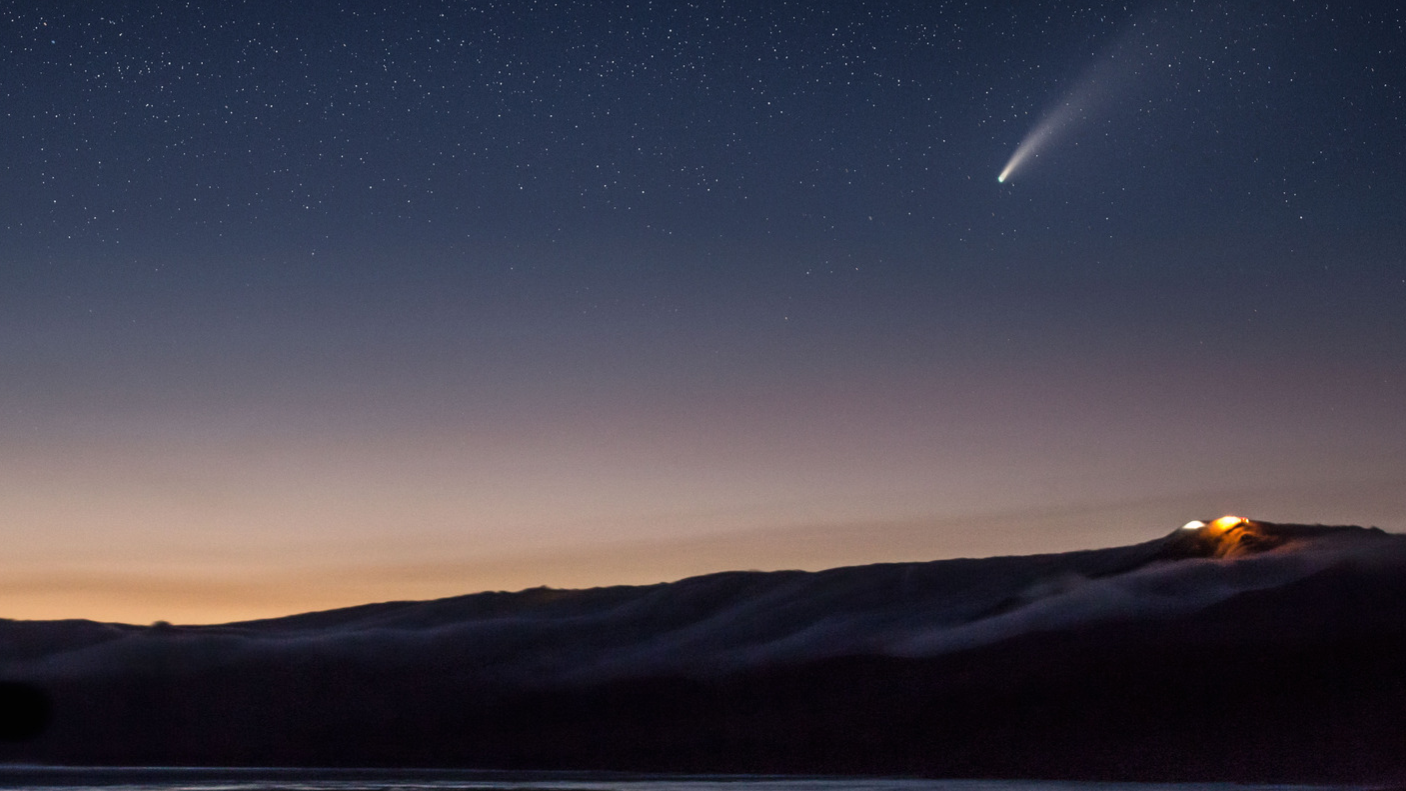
(322, 779)
(1301, 681)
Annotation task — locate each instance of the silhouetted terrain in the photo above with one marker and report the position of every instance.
(1237, 651)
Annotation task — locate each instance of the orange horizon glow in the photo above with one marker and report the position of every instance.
(211, 590)
(216, 517)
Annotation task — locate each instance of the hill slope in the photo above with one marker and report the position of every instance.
(1236, 650)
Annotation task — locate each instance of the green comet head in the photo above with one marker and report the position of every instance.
(1001, 179)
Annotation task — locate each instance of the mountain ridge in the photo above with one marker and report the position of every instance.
(916, 668)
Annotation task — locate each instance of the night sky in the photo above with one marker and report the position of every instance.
(312, 304)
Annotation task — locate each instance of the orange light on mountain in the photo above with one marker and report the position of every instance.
(1226, 522)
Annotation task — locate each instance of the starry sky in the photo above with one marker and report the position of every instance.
(312, 304)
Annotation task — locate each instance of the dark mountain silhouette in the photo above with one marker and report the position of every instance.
(1230, 650)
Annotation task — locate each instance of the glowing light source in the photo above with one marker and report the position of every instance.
(1227, 522)
(1195, 524)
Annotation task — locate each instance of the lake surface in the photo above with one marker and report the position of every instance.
(182, 779)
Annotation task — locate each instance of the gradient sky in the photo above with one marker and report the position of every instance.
(312, 304)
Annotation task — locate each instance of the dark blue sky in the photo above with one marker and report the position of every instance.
(759, 246)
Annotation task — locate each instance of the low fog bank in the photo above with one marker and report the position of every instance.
(1232, 650)
(719, 623)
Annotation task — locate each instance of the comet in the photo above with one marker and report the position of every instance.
(1056, 121)
(1095, 87)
